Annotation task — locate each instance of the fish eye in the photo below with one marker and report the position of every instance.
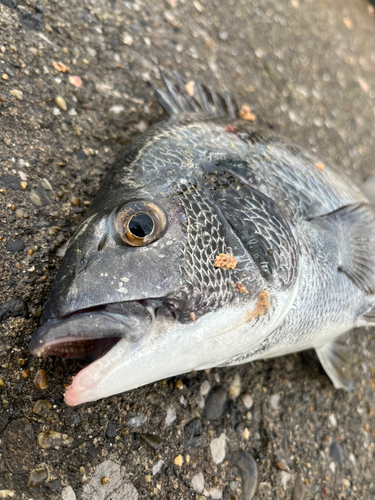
(139, 223)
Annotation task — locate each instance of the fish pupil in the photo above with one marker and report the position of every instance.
(141, 225)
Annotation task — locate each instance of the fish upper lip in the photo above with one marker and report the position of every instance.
(89, 332)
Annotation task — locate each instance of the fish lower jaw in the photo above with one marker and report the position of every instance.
(84, 386)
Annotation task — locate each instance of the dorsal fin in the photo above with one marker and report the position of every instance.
(175, 99)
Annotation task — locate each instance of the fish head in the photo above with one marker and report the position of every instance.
(155, 281)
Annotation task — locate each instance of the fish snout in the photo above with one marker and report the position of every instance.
(92, 332)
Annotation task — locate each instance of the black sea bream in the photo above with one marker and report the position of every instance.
(210, 243)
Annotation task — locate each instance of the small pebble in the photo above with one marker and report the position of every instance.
(127, 39)
(35, 199)
(111, 430)
(346, 483)
(274, 401)
(54, 439)
(281, 465)
(336, 453)
(285, 478)
(60, 101)
(216, 494)
(19, 213)
(245, 113)
(23, 185)
(215, 403)
(75, 80)
(247, 466)
(298, 490)
(25, 374)
(235, 387)
(205, 387)
(21, 361)
(178, 460)
(118, 108)
(41, 381)
(193, 433)
(68, 493)
(46, 184)
(16, 245)
(198, 483)
(137, 420)
(1, 382)
(233, 485)
(157, 467)
(171, 415)
(333, 419)
(179, 385)
(247, 401)
(153, 441)
(217, 447)
(104, 480)
(42, 408)
(17, 94)
(36, 477)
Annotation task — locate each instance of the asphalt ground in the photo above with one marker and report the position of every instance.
(307, 70)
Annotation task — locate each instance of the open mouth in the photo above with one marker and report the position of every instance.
(86, 349)
(89, 334)
(112, 338)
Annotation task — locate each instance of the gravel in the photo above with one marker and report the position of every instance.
(307, 70)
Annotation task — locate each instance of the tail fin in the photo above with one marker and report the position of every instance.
(369, 317)
(175, 99)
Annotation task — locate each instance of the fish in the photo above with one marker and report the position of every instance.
(211, 242)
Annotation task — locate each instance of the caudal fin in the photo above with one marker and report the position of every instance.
(369, 317)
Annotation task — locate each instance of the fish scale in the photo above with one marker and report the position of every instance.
(207, 283)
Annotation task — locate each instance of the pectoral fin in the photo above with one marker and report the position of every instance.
(354, 227)
(335, 358)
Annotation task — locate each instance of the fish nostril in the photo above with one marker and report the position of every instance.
(102, 241)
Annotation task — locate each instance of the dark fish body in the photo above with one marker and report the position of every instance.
(210, 243)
